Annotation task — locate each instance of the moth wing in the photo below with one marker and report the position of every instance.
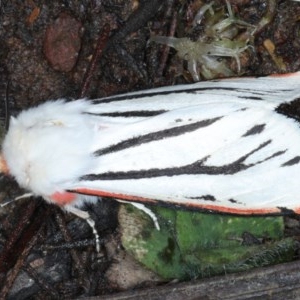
(236, 157)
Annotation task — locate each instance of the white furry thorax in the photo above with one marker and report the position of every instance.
(48, 147)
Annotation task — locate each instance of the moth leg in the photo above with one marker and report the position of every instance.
(146, 210)
(86, 216)
(26, 195)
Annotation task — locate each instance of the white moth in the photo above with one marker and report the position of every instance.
(220, 145)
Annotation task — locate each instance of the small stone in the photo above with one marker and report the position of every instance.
(63, 42)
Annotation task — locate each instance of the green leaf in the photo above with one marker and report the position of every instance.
(193, 244)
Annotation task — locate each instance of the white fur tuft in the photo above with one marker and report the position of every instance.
(48, 147)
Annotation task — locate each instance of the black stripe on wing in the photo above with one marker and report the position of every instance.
(256, 129)
(291, 162)
(290, 109)
(204, 197)
(186, 91)
(195, 168)
(132, 113)
(155, 136)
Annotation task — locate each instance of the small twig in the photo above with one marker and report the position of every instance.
(67, 236)
(12, 275)
(267, 18)
(147, 9)
(136, 20)
(31, 236)
(53, 294)
(165, 53)
(10, 252)
(69, 245)
(102, 40)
